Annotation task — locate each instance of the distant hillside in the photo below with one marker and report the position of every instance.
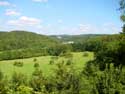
(23, 39)
(76, 38)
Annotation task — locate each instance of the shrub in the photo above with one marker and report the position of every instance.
(67, 81)
(69, 62)
(85, 54)
(24, 90)
(51, 62)
(1, 75)
(36, 65)
(34, 60)
(37, 81)
(18, 64)
(17, 80)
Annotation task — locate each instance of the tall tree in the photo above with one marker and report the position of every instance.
(122, 10)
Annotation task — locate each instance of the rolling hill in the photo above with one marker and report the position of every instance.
(23, 39)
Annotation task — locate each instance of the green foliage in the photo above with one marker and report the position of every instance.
(24, 90)
(58, 50)
(96, 43)
(22, 39)
(66, 80)
(1, 75)
(122, 17)
(22, 44)
(18, 64)
(36, 65)
(34, 60)
(3, 84)
(112, 52)
(69, 62)
(51, 62)
(109, 82)
(37, 81)
(17, 80)
(85, 54)
(90, 69)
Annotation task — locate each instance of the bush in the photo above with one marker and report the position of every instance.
(34, 60)
(37, 82)
(1, 75)
(18, 64)
(36, 65)
(4, 86)
(51, 62)
(67, 81)
(69, 62)
(85, 54)
(17, 80)
(24, 90)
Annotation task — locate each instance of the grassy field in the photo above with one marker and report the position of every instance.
(28, 64)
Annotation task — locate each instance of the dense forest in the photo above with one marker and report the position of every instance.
(22, 44)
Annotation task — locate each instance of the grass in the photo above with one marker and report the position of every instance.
(28, 64)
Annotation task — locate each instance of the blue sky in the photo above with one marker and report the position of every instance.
(61, 16)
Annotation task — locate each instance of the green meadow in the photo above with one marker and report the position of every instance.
(8, 68)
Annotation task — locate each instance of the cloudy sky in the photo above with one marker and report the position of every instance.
(61, 16)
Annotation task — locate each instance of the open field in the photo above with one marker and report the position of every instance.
(28, 64)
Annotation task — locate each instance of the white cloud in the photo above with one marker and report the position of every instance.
(40, 1)
(111, 28)
(6, 3)
(107, 28)
(12, 13)
(25, 21)
(84, 27)
(35, 25)
(87, 29)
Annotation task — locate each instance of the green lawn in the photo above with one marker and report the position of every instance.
(8, 68)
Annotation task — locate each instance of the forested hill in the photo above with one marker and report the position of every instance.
(23, 39)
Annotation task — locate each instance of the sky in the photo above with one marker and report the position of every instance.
(55, 17)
